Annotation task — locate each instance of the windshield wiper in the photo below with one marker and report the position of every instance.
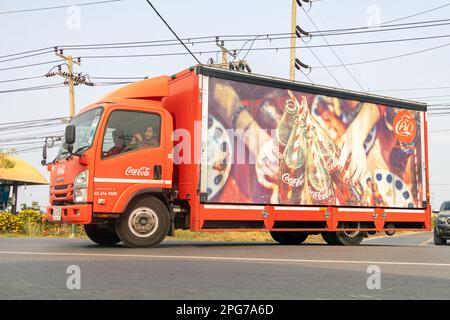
(79, 150)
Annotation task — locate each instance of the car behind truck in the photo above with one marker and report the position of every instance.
(209, 149)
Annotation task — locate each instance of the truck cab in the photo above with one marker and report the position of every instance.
(116, 151)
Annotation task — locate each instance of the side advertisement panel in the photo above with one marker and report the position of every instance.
(276, 146)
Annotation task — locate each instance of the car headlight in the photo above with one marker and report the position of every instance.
(442, 219)
(80, 185)
(81, 180)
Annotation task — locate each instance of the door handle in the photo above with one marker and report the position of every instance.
(157, 172)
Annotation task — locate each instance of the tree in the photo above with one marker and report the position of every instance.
(35, 205)
(5, 162)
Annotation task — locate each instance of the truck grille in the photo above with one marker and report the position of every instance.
(60, 195)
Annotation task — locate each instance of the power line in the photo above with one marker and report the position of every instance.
(321, 63)
(241, 38)
(334, 52)
(269, 48)
(30, 65)
(33, 137)
(24, 52)
(156, 11)
(59, 7)
(21, 79)
(439, 131)
(380, 27)
(34, 121)
(416, 14)
(27, 56)
(50, 86)
(431, 97)
(410, 89)
(119, 78)
(388, 58)
(252, 49)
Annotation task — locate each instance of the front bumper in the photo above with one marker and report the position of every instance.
(78, 214)
(443, 230)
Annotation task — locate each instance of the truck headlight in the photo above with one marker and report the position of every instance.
(80, 185)
(81, 180)
(80, 195)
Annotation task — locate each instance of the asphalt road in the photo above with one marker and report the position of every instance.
(410, 266)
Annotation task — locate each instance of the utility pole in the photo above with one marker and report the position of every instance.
(293, 38)
(71, 80)
(70, 62)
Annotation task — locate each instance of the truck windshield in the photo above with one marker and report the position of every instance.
(86, 126)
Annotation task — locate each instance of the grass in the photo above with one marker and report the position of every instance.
(256, 236)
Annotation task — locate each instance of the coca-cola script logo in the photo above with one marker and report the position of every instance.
(405, 126)
(293, 182)
(141, 172)
(60, 170)
(321, 195)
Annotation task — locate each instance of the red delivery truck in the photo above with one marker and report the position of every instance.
(209, 149)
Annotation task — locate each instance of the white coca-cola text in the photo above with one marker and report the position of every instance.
(320, 195)
(293, 182)
(142, 171)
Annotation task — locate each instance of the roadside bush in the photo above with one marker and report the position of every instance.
(10, 224)
(31, 216)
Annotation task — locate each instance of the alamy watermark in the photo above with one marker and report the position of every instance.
(373, 16)
(73, 21)
(73, 282)
(374, 279)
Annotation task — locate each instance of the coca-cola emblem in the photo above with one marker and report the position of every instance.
(293, 182)
(405, 126)
(140, 172)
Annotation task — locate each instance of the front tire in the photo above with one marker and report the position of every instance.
(101, 234)
(327, 237)
(289, 238)
(145, 224)
(438, 240)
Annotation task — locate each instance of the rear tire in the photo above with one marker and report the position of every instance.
(343, 238)
(144, 224)
(101, 234)
(289, 238)
(438, 240)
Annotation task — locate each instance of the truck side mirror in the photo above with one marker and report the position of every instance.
(70, 134)
(44, 155)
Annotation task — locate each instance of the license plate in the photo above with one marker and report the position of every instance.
(56, 214)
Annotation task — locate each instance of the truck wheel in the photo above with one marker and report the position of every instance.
(345, 238)
(289, 238)
(145, 224)
(101, 234)
(327, 237)
(438, 240)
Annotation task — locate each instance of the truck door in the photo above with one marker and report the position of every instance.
(132, 158)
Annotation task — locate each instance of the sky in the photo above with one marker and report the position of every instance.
(134, 20)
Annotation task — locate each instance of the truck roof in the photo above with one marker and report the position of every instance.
(308, 88)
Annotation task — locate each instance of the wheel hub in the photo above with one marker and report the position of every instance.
(143, 222)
